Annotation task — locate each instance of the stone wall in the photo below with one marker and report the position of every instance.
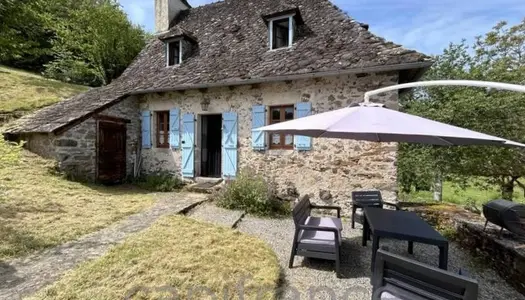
(506, 255)
(41, 144)
(75, 149)
(333, 168)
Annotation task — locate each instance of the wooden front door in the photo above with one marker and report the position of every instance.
(111, 152)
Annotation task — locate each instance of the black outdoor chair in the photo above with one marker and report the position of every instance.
(397, 277)
(361, 199)
(316, 237)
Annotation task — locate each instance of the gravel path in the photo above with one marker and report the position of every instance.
(208, 212)
(23, 276)
(311, 277)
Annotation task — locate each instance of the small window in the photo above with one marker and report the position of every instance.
(163, 129)
(281, 32)
(280, 114)
(174, 53)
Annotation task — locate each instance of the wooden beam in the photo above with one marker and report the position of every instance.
(111, 119)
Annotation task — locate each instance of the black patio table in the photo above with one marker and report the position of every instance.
(401, 225)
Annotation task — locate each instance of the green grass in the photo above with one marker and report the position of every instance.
(40, 210)
(452, 193)
(23, 91)
(176, 256)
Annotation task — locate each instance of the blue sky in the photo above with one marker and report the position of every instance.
(425, 25)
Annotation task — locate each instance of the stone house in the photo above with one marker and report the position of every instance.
(189, 101)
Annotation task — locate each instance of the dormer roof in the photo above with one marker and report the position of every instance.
(177, 32)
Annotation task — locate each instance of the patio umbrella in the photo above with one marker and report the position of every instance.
(375, 123)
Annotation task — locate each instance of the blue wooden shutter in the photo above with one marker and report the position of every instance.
(146, 129)
(175, 128)
(188, 145)
(258, 120)
(302, 143)
(229, 145)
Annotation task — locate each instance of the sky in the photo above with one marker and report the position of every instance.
(424, 25)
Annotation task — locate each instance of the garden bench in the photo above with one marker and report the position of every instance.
(316, 237)
(397, 277)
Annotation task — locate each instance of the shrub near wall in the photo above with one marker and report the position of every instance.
(251, 193)
(160, 182)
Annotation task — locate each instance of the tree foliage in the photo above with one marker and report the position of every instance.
(498, 56)
(88, 42)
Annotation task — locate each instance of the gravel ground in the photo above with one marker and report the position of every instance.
(208, 212)
(315, 279)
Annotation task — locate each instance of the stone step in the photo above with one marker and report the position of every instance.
(204, 187)
(208, 180)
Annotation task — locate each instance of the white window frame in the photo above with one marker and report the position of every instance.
(291, 28)
(168, 42)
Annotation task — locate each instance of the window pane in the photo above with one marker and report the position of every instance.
(288, 113)
(276, 114)
(288, 140)
(276, 139)
(280, 33)
(173, 53)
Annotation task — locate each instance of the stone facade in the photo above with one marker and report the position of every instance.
(76, 149)
(337, 166)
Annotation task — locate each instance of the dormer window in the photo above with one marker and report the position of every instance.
(281, 31)
(174, 53)
(180, 45)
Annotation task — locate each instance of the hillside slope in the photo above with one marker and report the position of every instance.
(40, 208)
(22, 92)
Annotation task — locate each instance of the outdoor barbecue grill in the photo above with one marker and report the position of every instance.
(507, 214)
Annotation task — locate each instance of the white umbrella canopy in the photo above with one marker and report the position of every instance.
(375, 123)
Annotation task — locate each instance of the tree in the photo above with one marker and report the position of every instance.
(95, 44)
(89, 42)
(498, 56)
(24, 35)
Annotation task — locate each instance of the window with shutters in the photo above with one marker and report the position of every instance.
(280, 114)
(163, 129)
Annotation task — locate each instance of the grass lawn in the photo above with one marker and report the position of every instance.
(176, 256)
(455, 194)
(40, 210)
(23, 91)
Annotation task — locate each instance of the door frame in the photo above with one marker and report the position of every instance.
(115, 120)
(198, 142)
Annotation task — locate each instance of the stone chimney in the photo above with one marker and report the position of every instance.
(166, 11)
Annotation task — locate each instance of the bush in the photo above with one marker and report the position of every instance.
(253, 194)
(160, 182)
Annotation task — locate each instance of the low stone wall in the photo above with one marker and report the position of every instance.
(506, 254)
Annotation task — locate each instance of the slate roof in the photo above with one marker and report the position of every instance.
(233, 48)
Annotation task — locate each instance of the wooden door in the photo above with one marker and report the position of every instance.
(111, 152)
